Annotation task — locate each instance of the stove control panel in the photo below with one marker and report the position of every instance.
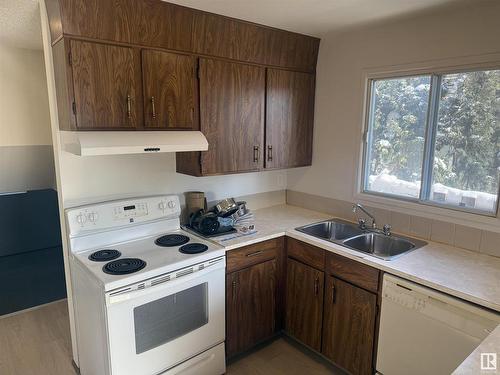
(130, 211)
(112, 214)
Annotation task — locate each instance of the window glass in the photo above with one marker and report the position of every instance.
(396, 135)
(467, 145)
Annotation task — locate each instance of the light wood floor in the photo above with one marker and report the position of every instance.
(38, 342)
(281, 357)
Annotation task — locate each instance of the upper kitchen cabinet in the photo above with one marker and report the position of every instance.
(169, 90)
(289, 118)
(151, 23)
(244, 41)
(232, 98)
(106, 84)
(159, 24)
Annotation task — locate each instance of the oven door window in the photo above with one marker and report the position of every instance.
(165, 319)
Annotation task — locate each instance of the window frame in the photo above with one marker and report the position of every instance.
(431, 125)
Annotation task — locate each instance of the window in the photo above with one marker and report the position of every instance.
(436, 139)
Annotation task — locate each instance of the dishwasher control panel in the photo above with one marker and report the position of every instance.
(403, 296)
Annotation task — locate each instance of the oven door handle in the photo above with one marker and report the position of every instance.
(127, 294)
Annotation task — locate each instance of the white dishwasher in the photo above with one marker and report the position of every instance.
(423, 331)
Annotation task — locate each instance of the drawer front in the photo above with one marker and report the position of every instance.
(305, 253)
(253, 254)
(352, 271)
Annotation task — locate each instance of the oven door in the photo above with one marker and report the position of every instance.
(153, 329)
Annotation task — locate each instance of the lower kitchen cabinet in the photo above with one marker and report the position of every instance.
(251, 301)
(324, 300)
(349, 326)
(253, 295)
(304, 303)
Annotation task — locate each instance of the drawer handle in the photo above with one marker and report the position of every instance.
(249, 255)
(334, 295)
(316, 286)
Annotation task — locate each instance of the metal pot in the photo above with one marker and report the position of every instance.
(226, 207)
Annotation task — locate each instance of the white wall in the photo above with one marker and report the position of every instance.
(24, 106)
(90, 179)
(26, 159)
(452, 34)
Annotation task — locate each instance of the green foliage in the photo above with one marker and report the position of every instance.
(398, 126)
(467, 151)
(468, 138)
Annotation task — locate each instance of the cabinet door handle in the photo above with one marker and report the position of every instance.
(129, 106)
(269, 153)
(334, 295)
(153, 108)
(316, 286)
(234, 290)
(255, 154)
(254, 253)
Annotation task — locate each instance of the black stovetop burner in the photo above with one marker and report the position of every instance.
(104, 255)
(170, 240)
(193, 248)
(124, 266)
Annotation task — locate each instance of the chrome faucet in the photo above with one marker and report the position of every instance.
(361, 221)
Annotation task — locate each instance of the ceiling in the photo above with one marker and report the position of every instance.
(313, 17)
(20, 21)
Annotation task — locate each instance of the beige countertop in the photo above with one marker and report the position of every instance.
(472, 364)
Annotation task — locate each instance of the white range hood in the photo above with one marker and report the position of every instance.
(91, 143)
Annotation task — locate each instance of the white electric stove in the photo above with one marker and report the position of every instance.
(148, 296)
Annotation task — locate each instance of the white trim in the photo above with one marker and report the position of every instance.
(441, 66)
(31, 309)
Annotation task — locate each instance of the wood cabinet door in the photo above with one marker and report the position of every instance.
(349, 326)
(169, 90)
(231, 116)
(251, 306)
(289, 118)
(304, 303)
(107, 86)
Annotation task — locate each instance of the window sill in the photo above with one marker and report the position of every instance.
(429, 211)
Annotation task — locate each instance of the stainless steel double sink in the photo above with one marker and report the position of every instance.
(347, 234)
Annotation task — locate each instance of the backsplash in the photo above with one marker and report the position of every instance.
(254, 201)
(469, 238)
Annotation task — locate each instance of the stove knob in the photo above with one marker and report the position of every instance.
(81, 219)
(171, 204)
(162, 206)
(93, 217)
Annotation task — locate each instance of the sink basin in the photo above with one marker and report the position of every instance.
(331, 230)
(367, 241)
(380, 245)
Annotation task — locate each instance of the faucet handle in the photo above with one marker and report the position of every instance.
(387, 229)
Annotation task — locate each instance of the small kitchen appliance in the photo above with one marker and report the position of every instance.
(148, 296)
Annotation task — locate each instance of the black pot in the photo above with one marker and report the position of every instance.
(203, 222)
